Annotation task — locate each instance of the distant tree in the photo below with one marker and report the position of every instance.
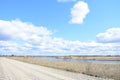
(12, 55)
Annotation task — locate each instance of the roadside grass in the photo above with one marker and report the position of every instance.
(93, 69)
(116, 58)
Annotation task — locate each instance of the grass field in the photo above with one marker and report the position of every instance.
(93, 69)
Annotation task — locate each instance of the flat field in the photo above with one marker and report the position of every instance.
(94, 69)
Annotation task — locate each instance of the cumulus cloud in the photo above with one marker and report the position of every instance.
(79, 12)
(112, 35)
(67, 47)
(66, 0)
(17, 29)
(7, 47)
(22, 38)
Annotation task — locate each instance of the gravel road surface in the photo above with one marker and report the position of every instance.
(16, 70)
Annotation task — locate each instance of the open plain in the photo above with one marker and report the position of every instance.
(16, 70)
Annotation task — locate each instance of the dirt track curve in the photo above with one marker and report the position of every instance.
(16, 70)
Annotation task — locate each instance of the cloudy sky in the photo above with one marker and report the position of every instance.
(60, 27)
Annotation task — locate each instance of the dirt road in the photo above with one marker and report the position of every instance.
(16, 70)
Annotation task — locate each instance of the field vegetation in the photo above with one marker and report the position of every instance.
(93, 69)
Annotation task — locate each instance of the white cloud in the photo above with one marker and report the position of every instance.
(21, 38)
(61, 46)
(17, 29)
(7, 47)
(66, 0)
(110, 36)
(79, 12)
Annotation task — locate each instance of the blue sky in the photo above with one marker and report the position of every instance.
(67, 23)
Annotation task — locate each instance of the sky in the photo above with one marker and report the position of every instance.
(60, 27)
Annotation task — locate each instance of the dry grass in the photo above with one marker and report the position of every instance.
(97, 57)
(94, 69)
(116, 58)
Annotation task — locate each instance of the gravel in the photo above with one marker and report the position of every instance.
(16, 70)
